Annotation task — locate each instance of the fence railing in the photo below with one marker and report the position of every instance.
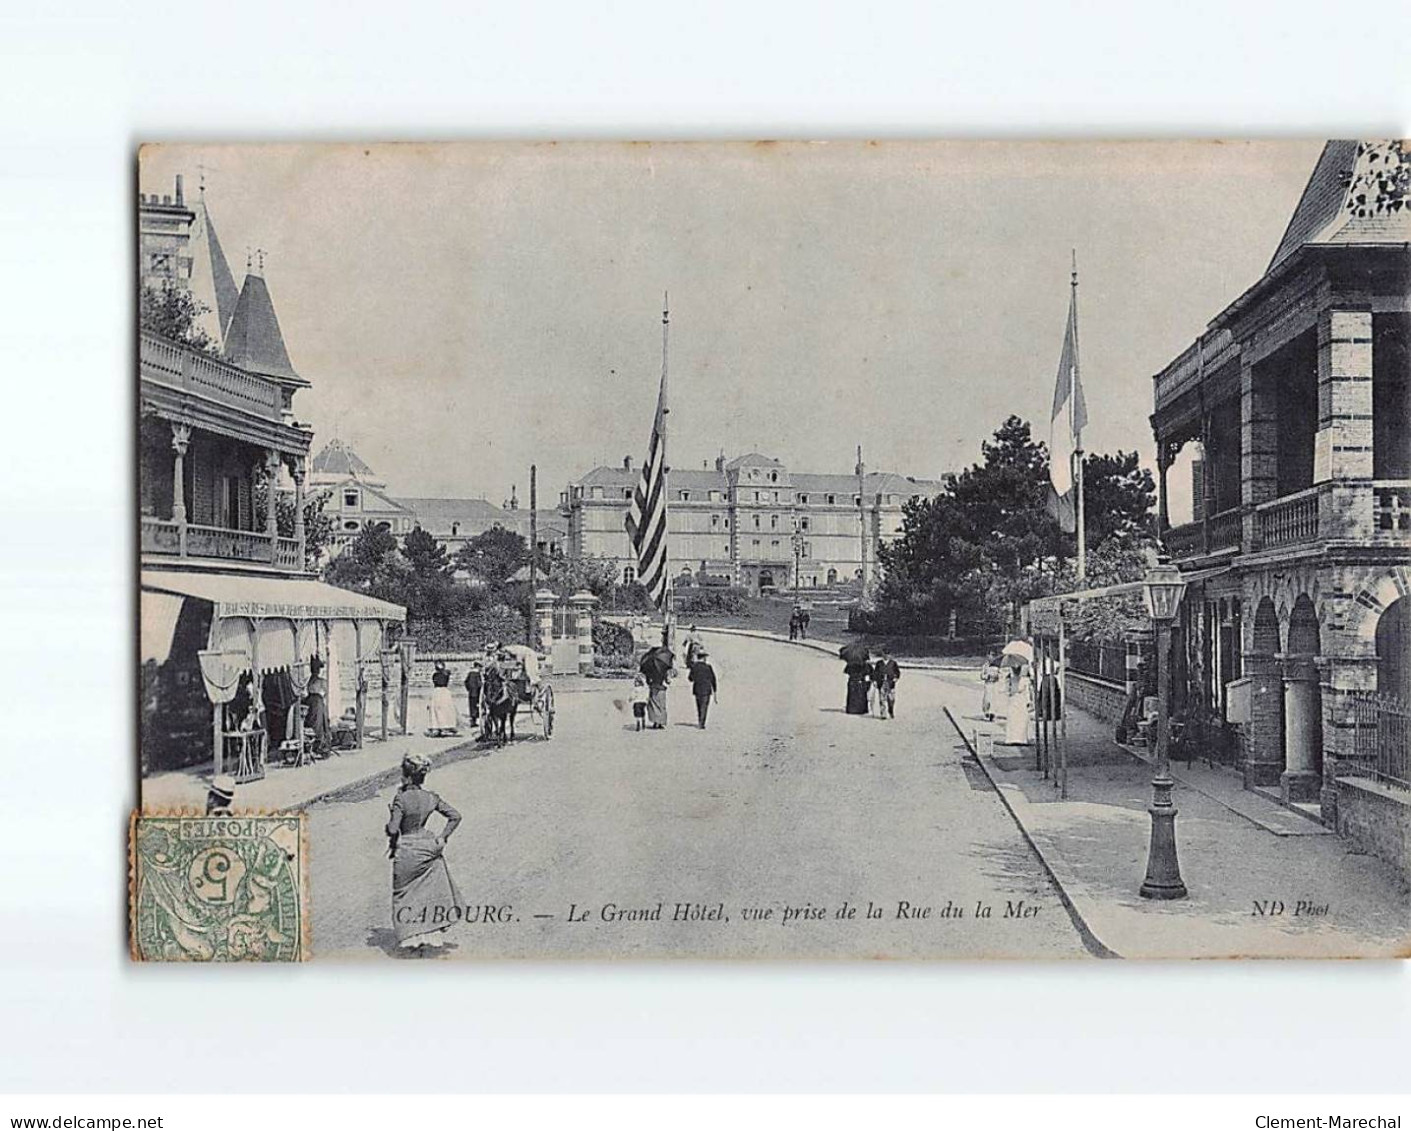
(162, 536)
(1104, 660)
(1381, 739)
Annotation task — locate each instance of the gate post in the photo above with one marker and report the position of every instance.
(583, 603)
(544, 622)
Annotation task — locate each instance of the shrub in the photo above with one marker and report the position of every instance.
(713, 602)
(612, 639)
(469, 632)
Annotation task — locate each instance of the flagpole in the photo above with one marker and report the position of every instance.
(1077, 471)
(669, 612)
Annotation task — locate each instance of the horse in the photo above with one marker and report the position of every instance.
(501, 708)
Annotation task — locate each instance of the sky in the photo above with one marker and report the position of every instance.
(466, 310)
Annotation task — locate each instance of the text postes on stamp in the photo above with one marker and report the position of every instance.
(218, 889)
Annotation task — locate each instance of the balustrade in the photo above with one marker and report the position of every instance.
(181, 367)
(160, 536)
(1185, 541)
(1288, 521)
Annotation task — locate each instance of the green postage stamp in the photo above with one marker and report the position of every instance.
(218, 888)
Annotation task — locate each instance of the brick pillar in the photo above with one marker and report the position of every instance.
(1259, 446)
(583, 603)
(1342, 445)
(1264, 733)
(1302, 778)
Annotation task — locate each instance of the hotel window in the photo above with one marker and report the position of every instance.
(775, 543)
(774, 522)
(595, 493)
(759, 496)
(685, 496)
(803, 524)
(350, 498)
(774, 477)
(755, 543)
(832, 499)
(627, 492)
(629, 575)
(804, 550)
(714, 496)
(857, 500)
(715, 522)
(803, 499)
(727, 524)
(756, 522)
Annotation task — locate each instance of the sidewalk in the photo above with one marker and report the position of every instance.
(1240, 853)
(374, 767)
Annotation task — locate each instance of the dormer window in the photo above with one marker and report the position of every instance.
(350, 498)
(685, 496)
(774, 477)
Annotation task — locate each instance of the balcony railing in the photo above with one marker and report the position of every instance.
(1226, 529)
(163, 536)
(1287, 521)
(181, 367)
(1185, 541)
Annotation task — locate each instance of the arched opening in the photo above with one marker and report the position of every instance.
(766, 580)
(1394, 651)
(1264, 733)
(1303, 706)
(832, 577)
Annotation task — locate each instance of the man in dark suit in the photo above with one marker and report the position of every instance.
(885, 674)
(703, 684)
(472, 691)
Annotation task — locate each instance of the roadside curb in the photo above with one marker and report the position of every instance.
(829, 649)
(361, 788)
(1069, 894)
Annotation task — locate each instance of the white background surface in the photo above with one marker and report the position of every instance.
(82, 85)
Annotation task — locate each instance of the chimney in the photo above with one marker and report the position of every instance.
(720, 462)
(179, 195)
(626, 463)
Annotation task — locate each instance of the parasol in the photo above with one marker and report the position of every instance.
(855, 653)
(1016, 654)
(656, 662)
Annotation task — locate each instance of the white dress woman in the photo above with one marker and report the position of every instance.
(1016, 721)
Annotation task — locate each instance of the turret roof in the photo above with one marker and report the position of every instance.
(253, 340)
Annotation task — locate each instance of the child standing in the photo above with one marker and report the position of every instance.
(639, 700)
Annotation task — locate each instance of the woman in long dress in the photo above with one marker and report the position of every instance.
(425, 902)
(859, 674)
(443, 707)
(1016, 721)
(656, 700)
(316, 710)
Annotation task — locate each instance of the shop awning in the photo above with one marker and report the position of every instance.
(296, 599)
(1052, 604)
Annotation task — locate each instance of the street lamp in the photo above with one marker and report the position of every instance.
(798, 559)
(1163, 587)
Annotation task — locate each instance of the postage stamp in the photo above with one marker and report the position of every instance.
(219, 888)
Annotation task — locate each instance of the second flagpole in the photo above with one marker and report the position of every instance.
(668, 626)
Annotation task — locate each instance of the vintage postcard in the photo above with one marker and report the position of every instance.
(907, 550)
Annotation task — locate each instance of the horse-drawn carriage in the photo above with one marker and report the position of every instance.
(516, 681)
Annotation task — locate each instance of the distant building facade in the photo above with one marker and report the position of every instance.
(357, 497)
(751, 519)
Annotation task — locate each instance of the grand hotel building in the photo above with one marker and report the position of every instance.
(739, 519)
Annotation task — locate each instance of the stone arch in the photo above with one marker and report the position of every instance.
(1393, 643)
(1303, 635)
(1265, 634)
(1374, 598)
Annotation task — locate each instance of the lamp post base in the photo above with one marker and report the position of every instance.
(1163, 869)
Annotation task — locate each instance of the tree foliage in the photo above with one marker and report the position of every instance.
(495, 556)
(172, 313)
(989, 543)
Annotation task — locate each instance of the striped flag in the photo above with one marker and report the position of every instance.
(1070, 415)
(646, 518)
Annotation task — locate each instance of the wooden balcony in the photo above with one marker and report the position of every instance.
(1288, 521)
(1199, 539)
(217, 543)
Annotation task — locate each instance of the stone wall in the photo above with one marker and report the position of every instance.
(1377, 819)
(1101, 698)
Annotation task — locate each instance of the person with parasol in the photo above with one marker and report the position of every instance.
(658, 665)
(1016, 660)
(858, 668)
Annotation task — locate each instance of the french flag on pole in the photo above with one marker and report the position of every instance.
(1070, 414)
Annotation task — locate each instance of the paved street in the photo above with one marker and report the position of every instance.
(782, 811)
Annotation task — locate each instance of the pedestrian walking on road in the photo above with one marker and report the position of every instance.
(857, 666)
(691, 644)
(425, 901)
(443, 708)
(639, 701)
(703, 685)
(473, 682)
(885, 674)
